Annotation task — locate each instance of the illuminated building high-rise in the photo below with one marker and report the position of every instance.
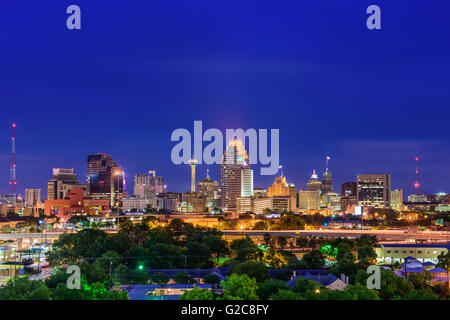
(396, 199)
(374, 190)
(32, 196)
(147, 185)
(349, 189)
(210, 190)
(281, 188)
(236, 177)
(314, 183)
(62, 182)
(105, 178)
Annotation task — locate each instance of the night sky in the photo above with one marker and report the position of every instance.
(137, 70)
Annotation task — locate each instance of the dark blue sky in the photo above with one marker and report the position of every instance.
(137, 70)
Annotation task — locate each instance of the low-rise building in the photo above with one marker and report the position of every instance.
(75, 203)
(391, 253)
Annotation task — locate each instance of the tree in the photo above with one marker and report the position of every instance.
(197, 294)
(282, 241)
(314, 260)
(270, 287)
(260, 225)
(239, 287)
(267, 238)
(212, 279)
(184, 278)
(301, 242)
(159, 278)
(291, 221)
(254, 270)
(198, 255)
(366, 241)
(443, 260)
(421, 280)
(283, 294)
(359, 292)
(24, 289)
(165, 256)
(367, 255)
(421, 294)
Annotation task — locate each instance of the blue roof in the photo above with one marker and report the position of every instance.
(409, 258)
(437, 270)
(323, 279)
(428, 264)
(139, 291)
(195, 273)
(412, 270)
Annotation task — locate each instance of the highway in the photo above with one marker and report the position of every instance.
(382, 235)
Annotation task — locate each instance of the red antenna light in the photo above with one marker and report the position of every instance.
(417, 184)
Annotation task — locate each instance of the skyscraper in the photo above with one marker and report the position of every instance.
(349, 189)
(396, 199)
(374, 190)
(309, 199)
(210, 190)
(62, 182)
(105, 178)
(236, 176)
(147, 185)
(281, 188)
(327, 182)
(32, 196)
(314, 183)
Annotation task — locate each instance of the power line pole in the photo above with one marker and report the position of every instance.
(110, 267)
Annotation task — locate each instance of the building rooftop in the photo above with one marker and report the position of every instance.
(408, 245)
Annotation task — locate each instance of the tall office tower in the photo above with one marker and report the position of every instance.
(349, 189)
(234, 160)
(117, 188)
(99, 163)
(147, 185)
(246, 182)
(63, 180)
(374, 190)
(309, 199)
(32, 196)
(210, 190)
(327, 182)
(396, 199)
(281, 188)
(314, 183)
(99, 170)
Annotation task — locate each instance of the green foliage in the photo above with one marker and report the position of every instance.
(197, 294)
(159, 278)
(239, 287)
(183, 278)
(211, 279)
(24, 289)
(269, 288)
(282, 294)
(313, 260)
(254, 270)
(291, 222)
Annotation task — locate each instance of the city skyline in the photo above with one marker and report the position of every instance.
(130, 177)
(373, 101)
